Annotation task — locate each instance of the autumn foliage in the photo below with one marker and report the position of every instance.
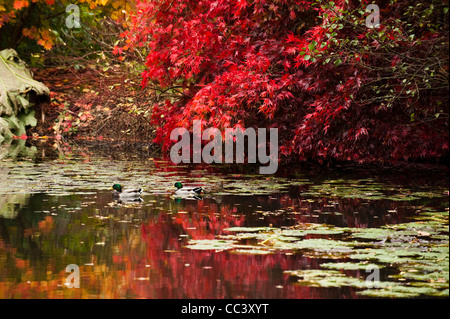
(336, 89)
(42, 21)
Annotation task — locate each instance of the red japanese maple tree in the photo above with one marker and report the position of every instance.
(336, 89)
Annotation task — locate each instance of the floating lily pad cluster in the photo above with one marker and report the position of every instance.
(64, 178)
(76, 175)
(416, 253)
(370, 190)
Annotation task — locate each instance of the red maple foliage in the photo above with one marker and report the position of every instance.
(336, 89)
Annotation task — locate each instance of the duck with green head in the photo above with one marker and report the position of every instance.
(187, 191)
(120, 192)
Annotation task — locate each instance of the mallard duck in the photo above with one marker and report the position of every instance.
(127, 193)
(187, 191)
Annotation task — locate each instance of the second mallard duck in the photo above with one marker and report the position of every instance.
(120, 192)
(187, 191)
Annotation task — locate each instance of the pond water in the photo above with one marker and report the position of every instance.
(342, 233)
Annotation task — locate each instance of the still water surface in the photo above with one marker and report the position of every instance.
(60, 211)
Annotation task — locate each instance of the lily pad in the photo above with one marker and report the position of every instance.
(304, 232)
(249, 229)
(318, 244)
(325, 278)
(256, 251)
(399, 291)
(349, 266)
(210, 244)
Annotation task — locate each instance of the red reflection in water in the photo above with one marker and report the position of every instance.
(148, 258)
(169, 270)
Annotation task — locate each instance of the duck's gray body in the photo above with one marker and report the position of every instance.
(187, 191)
(126, 193)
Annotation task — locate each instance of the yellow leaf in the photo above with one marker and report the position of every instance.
(114, 15)
(116, 4)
